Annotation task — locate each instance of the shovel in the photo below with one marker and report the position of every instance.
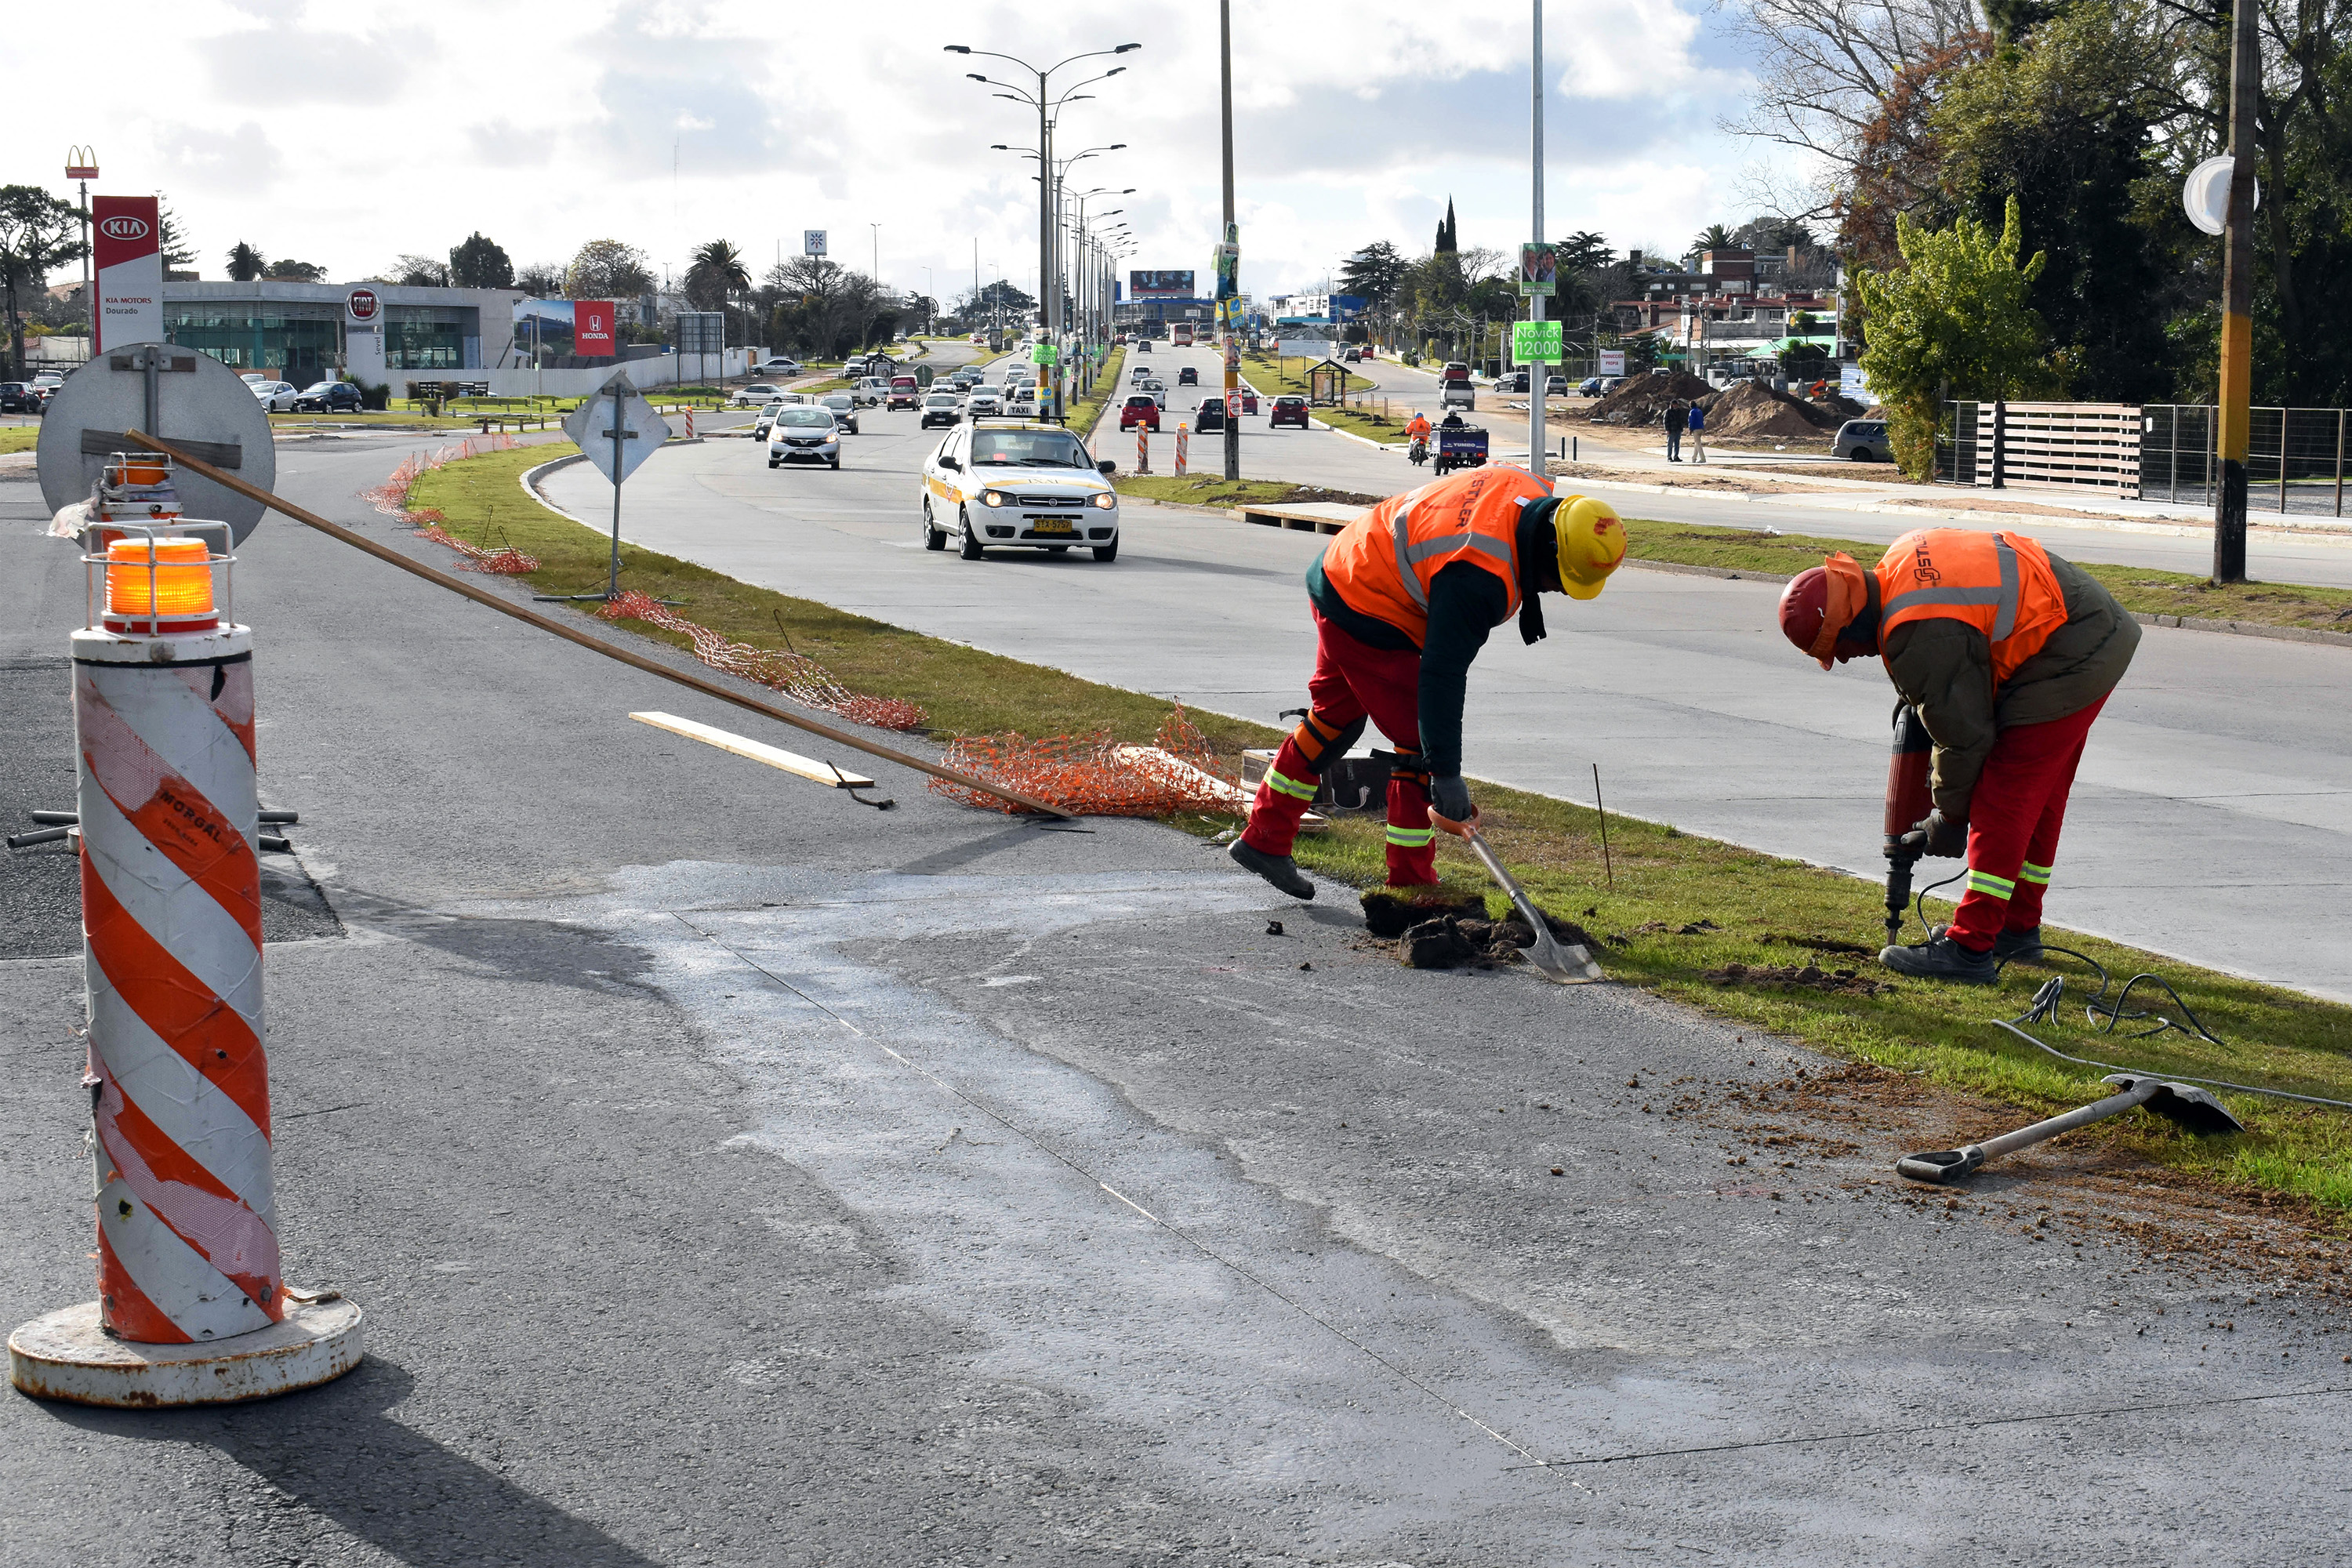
(1568, 966)
(2192, 1107)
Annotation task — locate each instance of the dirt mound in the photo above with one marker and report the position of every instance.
(1812, 977)
(1844, 407)
(1391, 915)
(1753, 410)
(1451, 943)
(1643, 398)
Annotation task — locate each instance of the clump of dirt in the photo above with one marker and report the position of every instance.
(1451, 942)
(1842, 982)
(1819, 943)
(1753, 410)
(1306, 493)
(1835, 403)
(1689, 928)
(1643, 398)
(1390, 914)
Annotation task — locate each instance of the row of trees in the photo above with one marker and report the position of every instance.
(2081, 117)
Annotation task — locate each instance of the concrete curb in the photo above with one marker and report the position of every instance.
(531, 476)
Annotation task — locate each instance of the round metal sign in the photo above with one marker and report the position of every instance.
(2205, 195)
(189, 399)
(363, 304)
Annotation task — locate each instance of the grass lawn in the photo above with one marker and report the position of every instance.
(1680, 905)
(20, 437)
(2138, 588)
(1212, 489)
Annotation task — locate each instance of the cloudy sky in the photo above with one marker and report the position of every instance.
(347, 133)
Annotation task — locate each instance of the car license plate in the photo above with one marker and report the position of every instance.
(1052, 525)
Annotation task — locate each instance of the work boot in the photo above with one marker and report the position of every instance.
(1941, 958)
(2010, 946)
(1280, 870)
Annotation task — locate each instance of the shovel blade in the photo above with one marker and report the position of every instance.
(1570, 965)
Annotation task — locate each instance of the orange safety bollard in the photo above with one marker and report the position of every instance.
(193, 1308)
(1143, 448)
(1180, 435)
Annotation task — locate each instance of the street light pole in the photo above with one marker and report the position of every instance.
(1537, 373)
(1231, 349)
(2235, 398)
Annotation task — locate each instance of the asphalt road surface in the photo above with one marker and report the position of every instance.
(2213, 819)
(735, 1175)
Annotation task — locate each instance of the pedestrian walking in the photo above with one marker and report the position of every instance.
(1673, 420)
(1698, 434)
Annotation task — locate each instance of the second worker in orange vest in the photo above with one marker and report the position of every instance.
(2007, 652)
(1402, 601)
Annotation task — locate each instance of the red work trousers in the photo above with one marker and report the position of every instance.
(2013, 821)
(1353, 681)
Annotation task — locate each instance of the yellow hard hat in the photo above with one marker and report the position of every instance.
(1591, 543)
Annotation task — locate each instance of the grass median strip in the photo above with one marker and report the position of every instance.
(1728, 930)
(2137, 588)
(1210, 489)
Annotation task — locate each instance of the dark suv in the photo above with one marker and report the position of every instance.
(329, 397)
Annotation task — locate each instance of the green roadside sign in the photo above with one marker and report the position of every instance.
(1535, 343)
(1046, 353)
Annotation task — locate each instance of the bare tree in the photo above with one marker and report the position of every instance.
(1824, 66)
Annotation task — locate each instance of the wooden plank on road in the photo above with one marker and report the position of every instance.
(757, 751)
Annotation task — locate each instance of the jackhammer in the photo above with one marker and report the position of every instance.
(1908, 803)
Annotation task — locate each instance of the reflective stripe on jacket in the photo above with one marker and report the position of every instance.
(1382, 563)
(1999, 584)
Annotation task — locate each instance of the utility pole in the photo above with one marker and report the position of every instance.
(1539, 372)
(2237, 388)
(1230, 234)
(82, 165)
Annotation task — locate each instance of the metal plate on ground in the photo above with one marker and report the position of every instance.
(198, 402)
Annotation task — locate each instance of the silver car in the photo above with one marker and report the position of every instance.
(275, 397)
(803, 434)
(842, 405)
(767, 418)
(1863, 441)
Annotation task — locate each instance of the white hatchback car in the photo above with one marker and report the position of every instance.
(983, 400)
(1028, 486)
(275, 397)
(805, 435)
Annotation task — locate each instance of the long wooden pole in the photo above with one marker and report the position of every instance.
(141, 440)
(2235, 393)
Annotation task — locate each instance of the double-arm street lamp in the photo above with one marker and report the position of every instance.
(1047, 102)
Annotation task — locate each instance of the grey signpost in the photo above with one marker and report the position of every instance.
(617, 430)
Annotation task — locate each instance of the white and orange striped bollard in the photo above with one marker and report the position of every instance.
(1143, 448)
(1180, 433)
(192, 1307)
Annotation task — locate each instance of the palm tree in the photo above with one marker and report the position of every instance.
(245, 263)
(717, 272)
(1715, 237)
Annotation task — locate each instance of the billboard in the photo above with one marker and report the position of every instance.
(812, 242)
(1160, 285)
(127, 238)
(591, 327)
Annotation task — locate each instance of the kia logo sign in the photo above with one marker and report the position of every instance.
(120, 227)
(363, 304)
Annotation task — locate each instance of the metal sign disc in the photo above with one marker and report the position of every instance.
(2205, 194)
(200, 405)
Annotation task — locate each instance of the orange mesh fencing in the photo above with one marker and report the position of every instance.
(1096, 775)
(391, 498)
(796, 675)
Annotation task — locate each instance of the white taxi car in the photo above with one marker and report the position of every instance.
(1014, 483)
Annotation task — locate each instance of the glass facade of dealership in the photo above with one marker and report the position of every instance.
(295, 330)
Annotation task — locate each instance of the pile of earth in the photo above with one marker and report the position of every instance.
(1752, 411)
(1433, 931)
(1640, 399)
(1812, 976)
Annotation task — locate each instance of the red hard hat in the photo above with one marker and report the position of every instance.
(1803, 605)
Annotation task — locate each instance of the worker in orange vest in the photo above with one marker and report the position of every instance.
(1402, 601)
(1417, 427)
(2007, 652)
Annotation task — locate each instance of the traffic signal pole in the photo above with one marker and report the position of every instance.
(2236, 391)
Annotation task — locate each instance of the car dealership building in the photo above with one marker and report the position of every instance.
(300, 331)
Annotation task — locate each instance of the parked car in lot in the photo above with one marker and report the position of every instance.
(1288, 409)
(843, 406)
(777, 364)
(1032, 485)
(753, 395)
(1590, 387)
(1141, 408)
(275, 397)
(1188, 376)
(804, 436)
(1863, 441)
(18, 397)
(942, 408)
(327, 398)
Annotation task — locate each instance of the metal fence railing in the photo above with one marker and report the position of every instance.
(2295, 458)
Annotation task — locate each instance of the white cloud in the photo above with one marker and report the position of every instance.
(543, 125)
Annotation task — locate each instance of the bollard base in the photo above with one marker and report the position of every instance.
(64, 1354)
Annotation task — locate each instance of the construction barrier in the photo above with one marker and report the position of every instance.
(1142, 449)
(796, 675)
(689, 424)
(1096, 775)
(1181, 439)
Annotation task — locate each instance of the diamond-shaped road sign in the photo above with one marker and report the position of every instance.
(1535, 343)
(641, 430)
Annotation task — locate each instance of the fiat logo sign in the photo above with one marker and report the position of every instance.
(363, 304)
(121, 227)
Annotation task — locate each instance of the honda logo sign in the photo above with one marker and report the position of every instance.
(124, 228)
(362, 306)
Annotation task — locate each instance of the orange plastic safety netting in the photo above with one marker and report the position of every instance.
(391, 498)
(1096, 775)
(796, 675)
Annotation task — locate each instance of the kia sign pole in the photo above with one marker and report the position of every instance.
(129, 305)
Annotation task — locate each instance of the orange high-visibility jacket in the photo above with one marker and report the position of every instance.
(2000, 584)
(1384, 563)
(1418, 425)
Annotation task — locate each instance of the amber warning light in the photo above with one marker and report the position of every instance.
(158, 585)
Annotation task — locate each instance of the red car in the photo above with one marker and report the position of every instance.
(1288, 409)
(1142, 409)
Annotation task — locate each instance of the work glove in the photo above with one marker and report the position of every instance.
(1449, 801)
(1938, 836)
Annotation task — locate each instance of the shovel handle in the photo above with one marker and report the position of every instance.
(1573, 964)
